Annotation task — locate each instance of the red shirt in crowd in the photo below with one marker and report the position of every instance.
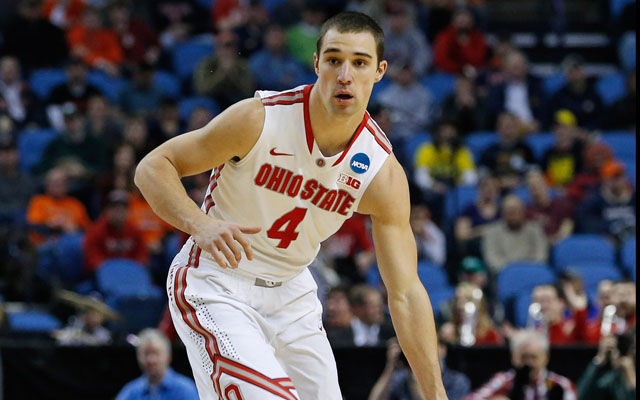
(451, 55)
(104, 242)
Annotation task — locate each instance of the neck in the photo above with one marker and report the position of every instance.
(156, 379)
(331, 132)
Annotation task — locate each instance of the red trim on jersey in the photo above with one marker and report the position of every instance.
(371, 129)
(364, 122)
(283, 94)
(307, 118)
(380, 134)
(283, 102)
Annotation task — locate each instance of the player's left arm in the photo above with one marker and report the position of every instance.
(386, 200)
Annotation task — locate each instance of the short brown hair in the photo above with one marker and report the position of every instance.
(353, 22)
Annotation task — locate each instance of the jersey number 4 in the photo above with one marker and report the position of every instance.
(287, 234)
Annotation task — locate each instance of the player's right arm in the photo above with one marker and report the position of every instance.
(231, 134)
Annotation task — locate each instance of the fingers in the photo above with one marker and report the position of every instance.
(249, 229)
(244, 242)
(225, 249)
(218, 257)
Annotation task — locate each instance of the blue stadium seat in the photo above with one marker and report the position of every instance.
(440, 85)
(187, 56)
(167, 84)
(31, 145)
(523, 193)
(592, 274)
(611, 88)
(553, 83)
(140, 311)
(628, 254)
(457, 199)
(34, 321)
(540, 143)
(43, 81)
(617, 6)
(478, 142)
(522, 277)
(627, 51)
(108, 85)
(521, 309)
(622, 143)
(432, 277)
(122, 277)
(583, 249)
(372, 276)
(187, 105)
(271, 4)
(69, 253)
(413, 143)
(379, 88)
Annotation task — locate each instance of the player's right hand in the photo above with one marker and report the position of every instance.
(225, 241)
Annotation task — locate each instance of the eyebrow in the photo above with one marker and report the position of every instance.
(337, 50)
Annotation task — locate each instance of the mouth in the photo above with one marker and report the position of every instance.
(344, 98)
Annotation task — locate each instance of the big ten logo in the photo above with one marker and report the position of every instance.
(349, 181)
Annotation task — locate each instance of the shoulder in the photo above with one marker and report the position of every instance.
(387, 197)
(131, 389)
(183, 383)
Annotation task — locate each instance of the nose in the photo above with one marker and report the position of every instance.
(344, 77)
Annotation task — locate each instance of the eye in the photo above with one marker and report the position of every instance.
(333, 61)
(361, 63)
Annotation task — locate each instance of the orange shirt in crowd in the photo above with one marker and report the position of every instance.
(141, 215)
(61, 213)
(101, 44)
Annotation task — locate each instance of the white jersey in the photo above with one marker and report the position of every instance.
(285, 185)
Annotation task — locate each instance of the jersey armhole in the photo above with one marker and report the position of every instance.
(256, 145)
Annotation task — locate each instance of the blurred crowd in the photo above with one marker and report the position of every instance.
(88, 87)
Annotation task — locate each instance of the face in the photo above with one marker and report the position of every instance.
(9, 158)
(97, 107)
(605, 293)
(516, 66)
(338, 309)
(513, 214)
(117, 214)
(534, 356)
(93, 319)
(508, 128)
(550, 304)
(575, 74)
(347, 68)
(77, 72)
(275, 40)
(153, 358)
(372, 312)
(136, 132)
(463, 21)
(91, 20)
(124, 158)
(9, 70)
(625, 295)
(489, 189)
(538, 189)
(56, 183)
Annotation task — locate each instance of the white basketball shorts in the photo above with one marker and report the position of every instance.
(249, 339)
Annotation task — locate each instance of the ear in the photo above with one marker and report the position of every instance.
(382, 69)
(316, 62)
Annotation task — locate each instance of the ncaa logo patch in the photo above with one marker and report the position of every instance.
(359, 163)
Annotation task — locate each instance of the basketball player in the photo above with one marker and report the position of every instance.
(288, 169)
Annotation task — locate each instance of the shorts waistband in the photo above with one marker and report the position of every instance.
(256, 281)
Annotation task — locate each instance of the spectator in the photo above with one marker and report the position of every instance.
(153, 228)
(350, 249)
(120, 175)
(430, 240)
(562, 162)
(141, 96)
(113, 235)
(470, 323)
(471, 225)
(79, 153)
(165, 123)
(103, 122)
(611, 208)
(622, 113)
(513, 238)
(55, 211)
(461, 47)
(225, 76)
(520, 94)
(405, 45)
(464, 107)
(511, 157)
(625, 301)
(253, 31)
(16, 187)
(200, 116)
(444, 163)
(620, 295)
(176, 20)
(136, 134)
(370, 326)
(397, 382)
(578, 95)
(595, 156)
(612, 372)
(96, 45)
(32, 39)
(272, 67)
(529, 377)
(409, 103)
(339, 317)
(75, 90)
(16, 99)
(555, 215)
(138, 41)
(302, 37)
(158, 378)
(561, 328)
(473, 271)
(86, 328)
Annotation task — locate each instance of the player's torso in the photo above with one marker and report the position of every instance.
(290, 189)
